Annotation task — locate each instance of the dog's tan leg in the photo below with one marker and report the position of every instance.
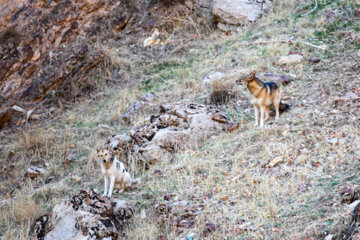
(262, 113)
(106, 185)
(277, 105)
(256, 108)
(267, 115)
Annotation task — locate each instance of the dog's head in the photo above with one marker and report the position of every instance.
(246, 78)
(105, 155)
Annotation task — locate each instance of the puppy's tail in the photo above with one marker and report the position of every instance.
(135, 181)
(283, 107)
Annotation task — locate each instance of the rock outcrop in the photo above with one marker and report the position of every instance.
(51, 45)
(238, 12)
(175, 127)
(352, 232)
(180, 214)
(86, 215)
(45, 44)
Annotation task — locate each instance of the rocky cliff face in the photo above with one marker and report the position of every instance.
(46, 43)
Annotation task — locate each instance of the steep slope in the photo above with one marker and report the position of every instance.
(226, 187)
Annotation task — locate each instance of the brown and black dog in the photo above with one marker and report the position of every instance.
(264, 94)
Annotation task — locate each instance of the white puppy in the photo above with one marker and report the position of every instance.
(114, 170)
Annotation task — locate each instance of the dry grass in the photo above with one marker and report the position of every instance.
(228, 175)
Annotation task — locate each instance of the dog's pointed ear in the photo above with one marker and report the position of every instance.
(253, 73)
(107, 147)
(97, 150)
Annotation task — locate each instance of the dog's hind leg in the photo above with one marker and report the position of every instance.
(256, 108)
(267, 115)
(106, 185)
(277, 103)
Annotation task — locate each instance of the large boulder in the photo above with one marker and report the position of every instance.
(87, 215)
(238, 12)
(176, 127)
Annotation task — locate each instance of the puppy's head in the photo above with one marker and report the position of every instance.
(246, 78)
(105, 155)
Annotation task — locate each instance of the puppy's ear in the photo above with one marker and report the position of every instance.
(107, 147)
(97, 150)
(253, 73)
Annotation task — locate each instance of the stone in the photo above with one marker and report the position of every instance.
(275, 162)
(203, 7)
(353, 229)
(227, 27)
(329, 237)
(136, 107)
(350, 194)
(180, 213)
(238, 12)
(351, 207)
(76, 178)
(87, 215)
(292, 59)
(212, 77)
(333, 141)
(189, 4)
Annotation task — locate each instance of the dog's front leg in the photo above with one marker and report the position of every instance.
(106, 185)
(256, 108)
(112, 182)
(262, 112)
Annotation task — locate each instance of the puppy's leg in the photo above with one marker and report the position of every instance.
(106, 185)
(256, 108)
(267, 115)
(262, 112)
(277, 105)
(112, 182)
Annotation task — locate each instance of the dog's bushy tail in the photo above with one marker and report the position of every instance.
(135, 181)
(283, 107)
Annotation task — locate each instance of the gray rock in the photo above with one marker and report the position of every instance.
(85, 216)
(292, 59)
(238, 12)
(211, 77)
(203, 7)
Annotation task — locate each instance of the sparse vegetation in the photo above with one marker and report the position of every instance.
(318, 139)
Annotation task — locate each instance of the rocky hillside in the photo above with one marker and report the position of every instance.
(155, 81)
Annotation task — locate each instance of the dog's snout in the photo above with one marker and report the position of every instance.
(104, 160)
